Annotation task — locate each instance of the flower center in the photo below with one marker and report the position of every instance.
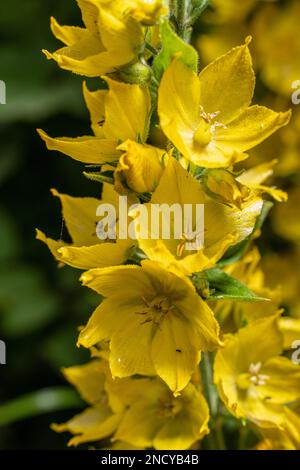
(207, 127)
(169, 407)
(155, 309)
(186, 238)
(252, 377)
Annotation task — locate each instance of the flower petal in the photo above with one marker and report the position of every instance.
(127, 110)
(279, 369)
(174, 357)
(250, 128)
(96, 256)
(79, 214)
(88, 149)
(130, 348)
(227, 84)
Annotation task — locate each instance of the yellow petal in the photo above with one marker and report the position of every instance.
(53, 245)
(110, 281)
(87, 149)
(122, 36)
(258, 174)
(67, 34)
(95, 101)
(250, 128)
(276, 368)
(96, 256)
(85, 57)
(127, 109)
(80, 217)
(206, 330)
(88, 380)
(129, 356)
(93, 424)
(140, 424)
(90, 14)
(227, 84)
(139, 168)
(174, 357)
(188, 426)
(180, 116)
(108, 318)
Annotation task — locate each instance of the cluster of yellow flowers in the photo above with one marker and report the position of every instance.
(163, 133)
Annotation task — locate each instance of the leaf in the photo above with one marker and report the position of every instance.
(37, 403)
(100, 177)
(225, 287)
(267, 206)
(234, 253)
(171, 45)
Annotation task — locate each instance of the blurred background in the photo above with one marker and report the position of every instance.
(42, 306)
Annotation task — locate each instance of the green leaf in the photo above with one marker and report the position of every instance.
(100, 177)
(225, 287)
(234, 253)
(37, 403)
(267, 206)
(171, 45)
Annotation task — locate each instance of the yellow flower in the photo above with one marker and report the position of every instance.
(146, 12)
(250, 374)
(278, 51)
(109, 40)
(87, 251)
(210, 123)
(135, 412)
(164, 422)
(99, 421)
(139, 168)
(155, 321)
(223, 226)
(254, 177)
(286, 439)
(123, 113)
(223, 186)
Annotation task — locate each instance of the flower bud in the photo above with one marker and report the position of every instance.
(221, 185)
(135, 74)
(146, 12)
(139, 168)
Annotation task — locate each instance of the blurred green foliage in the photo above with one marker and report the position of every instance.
(40, 305)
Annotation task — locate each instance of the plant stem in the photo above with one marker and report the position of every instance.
(209, 387)
(215, 438)
(182, 17)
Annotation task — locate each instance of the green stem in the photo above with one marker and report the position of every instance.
(209, 388)
(182, 17)
(215, 439)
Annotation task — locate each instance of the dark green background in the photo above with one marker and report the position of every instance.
(40, 306)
